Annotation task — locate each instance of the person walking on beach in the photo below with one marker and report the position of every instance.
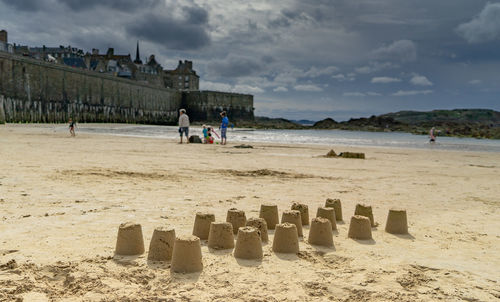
(432, 135)
(72, 125)
(184, 125)
(223, 128)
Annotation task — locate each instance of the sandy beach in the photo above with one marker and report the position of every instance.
(62, 200)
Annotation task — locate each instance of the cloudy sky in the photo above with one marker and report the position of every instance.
(300, 59)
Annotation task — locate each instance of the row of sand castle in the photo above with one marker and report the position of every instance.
(185, 255)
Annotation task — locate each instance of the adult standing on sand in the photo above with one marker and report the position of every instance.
(432, 135)
(223, 128)
(184, 125)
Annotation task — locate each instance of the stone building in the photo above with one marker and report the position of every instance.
(147, 73)
(118, 65)
(4, 42)
(182, 78)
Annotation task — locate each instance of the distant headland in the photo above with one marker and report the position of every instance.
(478, 123)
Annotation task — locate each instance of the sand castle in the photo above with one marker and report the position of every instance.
(202, 225)
(186, 257)
(162, 244)
(336, 205)
(237, 218)
(261, 225)
(360, 228)
(285, 238)
(396, 222)
(270, 213)
(129, 240)
(221, 236)
(365, 210)
(304, 212)
(185, 251)
(293, 216)
(328, 213)
(320, 232)
(248, 244)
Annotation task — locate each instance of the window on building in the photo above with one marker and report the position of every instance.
(180, 77)
(186, 78)
(186, 85)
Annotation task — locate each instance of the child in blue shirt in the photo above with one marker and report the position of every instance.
(223, 128)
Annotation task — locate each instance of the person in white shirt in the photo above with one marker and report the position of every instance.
(184, 125)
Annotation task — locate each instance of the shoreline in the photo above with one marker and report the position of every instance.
(401, 141)
(63, 198)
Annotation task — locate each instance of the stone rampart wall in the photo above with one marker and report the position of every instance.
(37, 91)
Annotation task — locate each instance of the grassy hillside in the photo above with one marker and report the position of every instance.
(480, 116)
(479, 123)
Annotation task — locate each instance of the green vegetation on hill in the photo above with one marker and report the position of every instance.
(479, 123)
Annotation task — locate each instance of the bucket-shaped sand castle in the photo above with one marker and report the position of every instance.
(360, 228)
(336, 205)
(328, 213)
(293, 216)
(270, 214)
(286, 239)
(186, 257)
(237, 218)
(248, 244)
(396, 222)
(201, 226)
(304, 212)
(221, 236)
(365, 210)
(261, 225)
(129, 240)
(320, 232)
(162, 244)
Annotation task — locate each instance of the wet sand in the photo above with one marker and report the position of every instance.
(62, 200)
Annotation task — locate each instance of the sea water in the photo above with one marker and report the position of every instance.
(320, 137)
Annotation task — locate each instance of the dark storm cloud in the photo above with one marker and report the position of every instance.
(26, 5)
(122, 5)
(237, 66)
(196, 15)
(79, 5)
(268, 47)
(187, 33)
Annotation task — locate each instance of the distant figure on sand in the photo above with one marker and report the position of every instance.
(223, 128)
(72, 125)
(432, 135)
(184, 125)
(205, 134)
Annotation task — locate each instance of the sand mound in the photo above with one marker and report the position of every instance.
(365, 210)
(328, 213)
(130, 240)
(286, 239)
(261, 225)
(270, 214)
(221, 236)
(248, 244)
(162, 244)
(202, 225)
(293, 216)
(396, 222)
(186, 257)
(304, 212)
(360, 228)
(337, 205)
(321, 232)
(237, 218)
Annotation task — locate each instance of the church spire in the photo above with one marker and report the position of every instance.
(137, 56)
